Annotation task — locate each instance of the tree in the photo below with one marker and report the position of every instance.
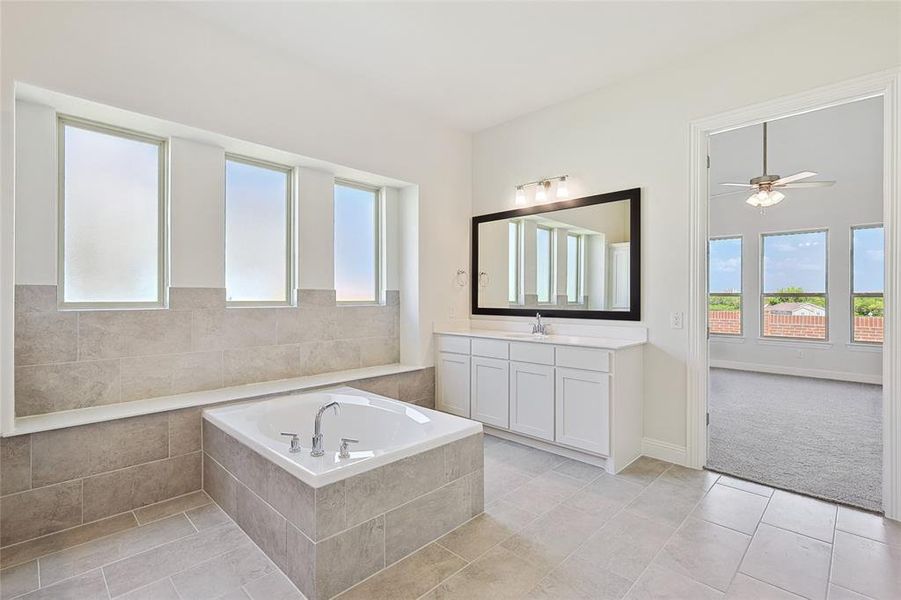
(815, 300)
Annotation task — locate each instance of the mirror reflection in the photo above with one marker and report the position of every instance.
(575, 258)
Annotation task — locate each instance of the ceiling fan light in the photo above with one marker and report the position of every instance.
(765, 199)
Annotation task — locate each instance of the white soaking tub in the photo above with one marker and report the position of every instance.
(387, 431)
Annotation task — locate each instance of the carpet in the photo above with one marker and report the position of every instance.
(814, 436)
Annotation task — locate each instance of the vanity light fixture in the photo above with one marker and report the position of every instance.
(542, 187)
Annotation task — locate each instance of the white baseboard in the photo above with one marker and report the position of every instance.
(663, 451)
(797, 371)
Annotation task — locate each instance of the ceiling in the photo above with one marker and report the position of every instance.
(477, 64)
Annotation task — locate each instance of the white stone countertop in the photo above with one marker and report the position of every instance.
(604, 343)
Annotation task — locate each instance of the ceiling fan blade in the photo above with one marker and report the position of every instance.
(808, 184)
(729, 193)
(795, 177)
(744, 185)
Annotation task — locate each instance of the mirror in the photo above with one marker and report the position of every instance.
(576, 258)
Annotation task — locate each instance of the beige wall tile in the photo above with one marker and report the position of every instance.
(173, 506)
(381, 489)
(301, 559)
(25, 551)
(463, 457)
(365, 322)
(266, 527)
(46, 337)
(349, 557)
(115, 333)
(379, 351)
(427, 518)
(220, 485)
(35, 298)
(331, 509)
(184, 430)
(247, 466)
(38, 512)
(15, 464)
(293, 499)
(48, 388)
(418, 385)
(392, 297)
(185, 298)
(384, 386)
(234, 328)
(316, 297)
(324, 357)
(126, 489)
(263, 363)
(168, 374)
(66, 454)
(307, 323)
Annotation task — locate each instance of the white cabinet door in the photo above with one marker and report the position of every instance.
(532, 399)
(490, 394)
(452, 383)
(583, 409)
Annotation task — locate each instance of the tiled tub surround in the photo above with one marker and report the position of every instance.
(74, 359)
(329, 538)
(77, 483)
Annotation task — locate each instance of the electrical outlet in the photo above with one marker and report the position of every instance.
(800, 353)
(675, 320)
(451, 311)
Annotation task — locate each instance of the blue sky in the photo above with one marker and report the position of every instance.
(355, 264)
(869, 257)
(725, 265)
(795, 260)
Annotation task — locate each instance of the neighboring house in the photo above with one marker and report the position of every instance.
(796, 309)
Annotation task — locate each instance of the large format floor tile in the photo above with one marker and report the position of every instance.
(813, 518)
(706, 552)
(789, 560)
(867, 566)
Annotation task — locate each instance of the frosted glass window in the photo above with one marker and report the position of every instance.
(543, 270)
(356, 243)
(573, 268)
(257, 232)
(112, 207)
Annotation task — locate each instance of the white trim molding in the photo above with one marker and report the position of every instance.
(663, 451)
(796, 371)
(886, 84)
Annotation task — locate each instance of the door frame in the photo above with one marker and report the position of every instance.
(888, 85)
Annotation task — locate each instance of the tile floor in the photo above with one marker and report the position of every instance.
(552, 528)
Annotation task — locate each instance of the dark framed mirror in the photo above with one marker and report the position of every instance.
(578, 258)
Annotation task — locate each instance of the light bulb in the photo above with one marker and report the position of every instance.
(520, 196)
(562, 189)
(765, 198)
(541, 193)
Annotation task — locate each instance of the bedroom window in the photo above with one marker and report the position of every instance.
(724, 301)
(794, 303)
(867, 284)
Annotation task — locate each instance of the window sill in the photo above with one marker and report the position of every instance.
(861, 347)
(792, 343)
(110, 412)
(729, 339)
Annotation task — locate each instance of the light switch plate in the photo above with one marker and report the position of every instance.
(675, 320)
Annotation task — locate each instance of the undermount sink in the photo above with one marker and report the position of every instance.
(525, 336)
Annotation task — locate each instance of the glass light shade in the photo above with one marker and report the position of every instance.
(562, 189)
(764, 198)
(541, 193)
(520, 196)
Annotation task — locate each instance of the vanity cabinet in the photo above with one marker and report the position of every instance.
(579, 401)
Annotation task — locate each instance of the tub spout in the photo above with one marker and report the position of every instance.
(317, 429)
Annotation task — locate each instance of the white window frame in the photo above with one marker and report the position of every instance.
(379, 292)
(854, 294)
(290, 200)
(551, 291)
(63, 121)
(579, 267)
(741, 291)
(764, 295)
(517, 284)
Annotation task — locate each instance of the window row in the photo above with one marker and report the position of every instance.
(112, 225)
(546, 264)
(794, 301)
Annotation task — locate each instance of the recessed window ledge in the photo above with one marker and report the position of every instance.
(858, 347)
(729, 339)
(110, 412)
(802, 344)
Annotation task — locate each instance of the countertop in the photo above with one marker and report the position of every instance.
(605, 343)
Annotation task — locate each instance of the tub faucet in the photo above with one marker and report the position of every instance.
(317, 431)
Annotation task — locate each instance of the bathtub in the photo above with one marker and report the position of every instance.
(415, 475)
(387, 430)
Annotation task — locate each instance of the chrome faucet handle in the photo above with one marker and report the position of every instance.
(295, 441)
(345, 442)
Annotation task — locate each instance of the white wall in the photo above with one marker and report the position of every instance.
(842, 143)
(149, 59)
(635, 134)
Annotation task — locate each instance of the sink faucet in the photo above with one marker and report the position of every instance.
(317, 431)
(537, 327)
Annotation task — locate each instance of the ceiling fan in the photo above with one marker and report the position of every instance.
(765, 188)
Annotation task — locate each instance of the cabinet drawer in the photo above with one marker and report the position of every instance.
(490, 348)
(453, 343)
(542, 354)
(583, 358)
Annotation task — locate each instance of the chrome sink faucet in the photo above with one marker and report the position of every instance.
(317, 430)
(538, 328)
